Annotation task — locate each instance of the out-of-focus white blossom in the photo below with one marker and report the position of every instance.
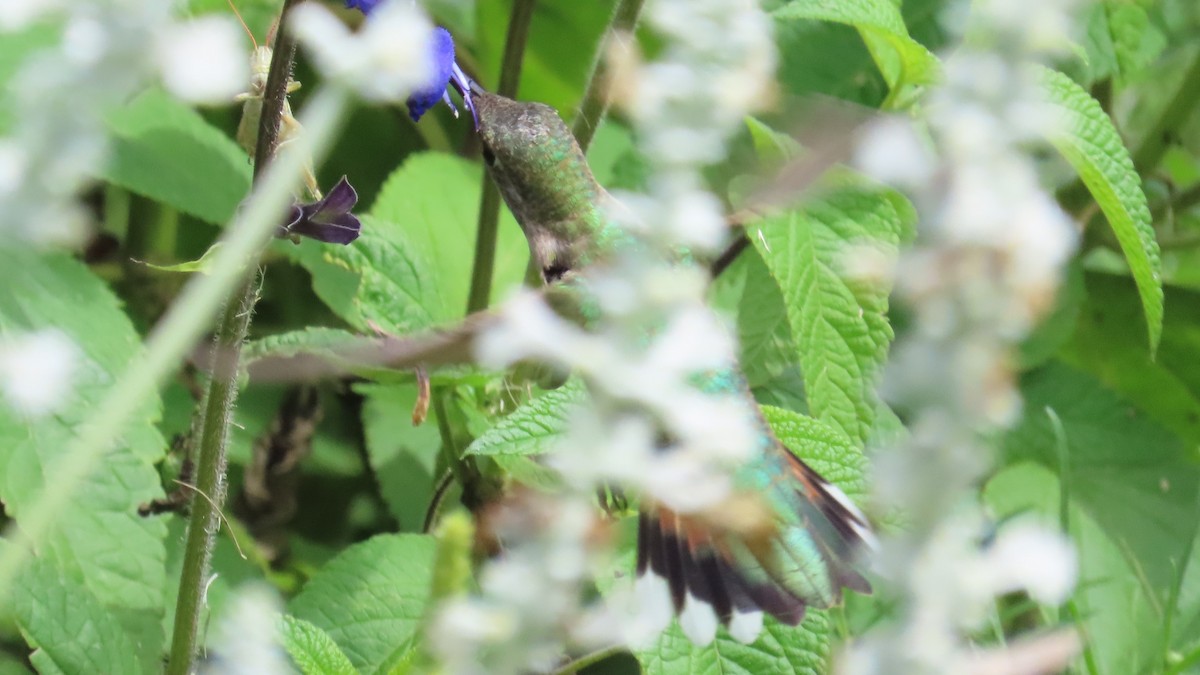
(889, 150)
(385, 61)
(204, 60)
(17, 14)
(61, 94)
(988, 260)
(247, 640)
(37, 371)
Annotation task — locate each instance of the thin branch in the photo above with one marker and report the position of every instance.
(222, 393)
(595, 96)
(489, 203)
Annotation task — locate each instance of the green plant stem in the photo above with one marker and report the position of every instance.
(118, 205)
(1154, 144)
(221, 397)
(489, 203)
(595, 95)
(176, 334)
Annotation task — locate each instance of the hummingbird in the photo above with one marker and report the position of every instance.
(802, 552)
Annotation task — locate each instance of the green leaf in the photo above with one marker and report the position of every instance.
(1136, 42)
(411, 267)
(1167, 386)
(1088, 140)
(769, 357)
(532, 428)
(69, 628)
(371, 597)
(779, 649)
(98, 541)
(203, 264)
(770, 145)
(823, 448)
(15, 49)
(840, 323)
(1132, 476)
(903, 61)
(311, 648)
(403, 457)
(166, 151)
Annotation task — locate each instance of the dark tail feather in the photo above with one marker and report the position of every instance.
(722, 577)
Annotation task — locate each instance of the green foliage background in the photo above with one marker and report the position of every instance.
(1107, 449)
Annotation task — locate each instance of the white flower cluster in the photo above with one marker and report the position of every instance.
(37, 371)
(248, 640)
(651, 427)
(529, 609)
(105, 52)
(991, 251)
(384, 61)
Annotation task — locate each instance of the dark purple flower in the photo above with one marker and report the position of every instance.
(328, 219)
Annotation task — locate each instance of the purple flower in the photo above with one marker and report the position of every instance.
(446, 72)
(364, 6)
(328, 219)
(442, 47)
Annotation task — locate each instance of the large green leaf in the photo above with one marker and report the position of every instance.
(166, 151)
(822, 447)
(1166, 386)
(532, 428)
(370, 598)
(839, 322)
(411, 267)
(903, 61)
(1129, 474)
(403, 457)
(1088, 140)
(99, 541)
(70, 629)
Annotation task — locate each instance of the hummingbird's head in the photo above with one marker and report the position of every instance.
(533, 157)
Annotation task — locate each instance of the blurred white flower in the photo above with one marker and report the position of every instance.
(891, 152)
(204, 60)
(1028, 556)
(385, 61)
(17, 14)
(247, 640)
(37, 370)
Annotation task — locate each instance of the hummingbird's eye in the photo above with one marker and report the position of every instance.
(488, 157)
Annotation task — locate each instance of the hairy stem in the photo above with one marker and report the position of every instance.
(595, 96)
(221, 397)
(489, 203)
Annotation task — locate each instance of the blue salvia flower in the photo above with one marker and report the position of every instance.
(446, 72)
